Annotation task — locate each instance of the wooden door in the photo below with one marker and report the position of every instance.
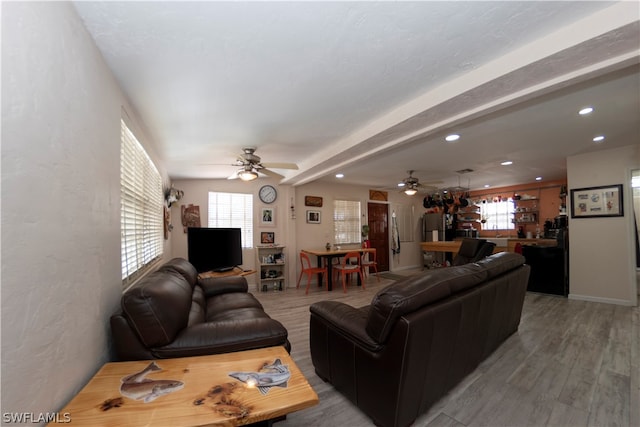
(378, 214)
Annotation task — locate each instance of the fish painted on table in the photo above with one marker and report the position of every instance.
(138, 387)
(273, 375)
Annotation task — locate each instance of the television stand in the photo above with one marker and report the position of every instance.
(235, 271)
(223, 269)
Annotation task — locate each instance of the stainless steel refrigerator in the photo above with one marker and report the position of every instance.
(432, 230)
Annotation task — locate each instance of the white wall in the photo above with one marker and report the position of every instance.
(61, 110)
(601, 250)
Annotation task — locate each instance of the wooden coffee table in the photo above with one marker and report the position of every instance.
(207, 395)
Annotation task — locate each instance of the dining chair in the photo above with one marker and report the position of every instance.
(368, 259)
(345, 268)
(309, 271)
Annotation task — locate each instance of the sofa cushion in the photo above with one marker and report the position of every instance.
(500, 263)
(184, 268)
(198, 311)
(227, 302)
(416, 291)
(158, 307)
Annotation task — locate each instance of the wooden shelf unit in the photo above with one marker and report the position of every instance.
(272, 268)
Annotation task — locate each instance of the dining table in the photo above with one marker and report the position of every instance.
(328, 255)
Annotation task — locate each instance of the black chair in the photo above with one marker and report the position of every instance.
(472, 250)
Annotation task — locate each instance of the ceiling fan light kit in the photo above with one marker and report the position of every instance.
(251, 165)
(247, 175)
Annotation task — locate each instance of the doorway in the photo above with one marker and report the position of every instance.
(378, 214)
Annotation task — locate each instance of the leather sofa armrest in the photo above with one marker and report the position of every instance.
(347, 321)
(224, 337)
(213, 286)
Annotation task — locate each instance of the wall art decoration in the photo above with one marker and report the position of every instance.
(267, 237)
(314, 201)
(594, 202)
(313, 217)
(190, 216)
(268, 217)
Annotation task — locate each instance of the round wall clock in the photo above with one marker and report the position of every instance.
(267, 194)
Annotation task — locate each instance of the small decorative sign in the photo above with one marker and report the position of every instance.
(594, 202)
(378, 195)
(313, 201)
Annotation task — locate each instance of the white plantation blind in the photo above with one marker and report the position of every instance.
(141, 214)
(232, 210)
(346, 221)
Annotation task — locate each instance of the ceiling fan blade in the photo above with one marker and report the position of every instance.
(270, 173)
(233, 175)
(280, 165)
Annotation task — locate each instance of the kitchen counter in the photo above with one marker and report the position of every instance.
(503, 244)
(511, 243)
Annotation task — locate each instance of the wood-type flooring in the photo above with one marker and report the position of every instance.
(571, 363)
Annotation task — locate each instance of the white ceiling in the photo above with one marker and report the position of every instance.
(370, 89)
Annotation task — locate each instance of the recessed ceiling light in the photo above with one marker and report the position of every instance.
(339, 175)
(538, 178)
(585, 111)
(452, 137)
(506, 163)
(598, 138)
(487, 186)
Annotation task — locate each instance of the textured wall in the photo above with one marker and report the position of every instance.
(61, 110)
(601, 253)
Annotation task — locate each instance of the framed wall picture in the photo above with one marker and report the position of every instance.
(314, 201)
(267, 237)
(268, 217)
(594, 202)
(313, 217)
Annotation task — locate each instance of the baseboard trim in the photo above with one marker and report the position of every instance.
(602, 300)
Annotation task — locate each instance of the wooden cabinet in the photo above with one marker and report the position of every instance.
(272, 270)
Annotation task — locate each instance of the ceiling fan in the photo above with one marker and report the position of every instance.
(411, 184)
(251, 164)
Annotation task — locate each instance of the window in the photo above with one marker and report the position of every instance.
(232, 210)
(499, 215)
(346, 221)
(141, 210)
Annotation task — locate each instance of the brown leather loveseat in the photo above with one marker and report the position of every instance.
(172, 313)
(419, 337)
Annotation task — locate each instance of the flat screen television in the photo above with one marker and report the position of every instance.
(214, 249)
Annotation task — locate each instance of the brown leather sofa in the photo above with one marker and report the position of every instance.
(172, 313)
(419, 337)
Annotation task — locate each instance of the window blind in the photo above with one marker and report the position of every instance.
(346, 221)
(233, 210)
(141, 214)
